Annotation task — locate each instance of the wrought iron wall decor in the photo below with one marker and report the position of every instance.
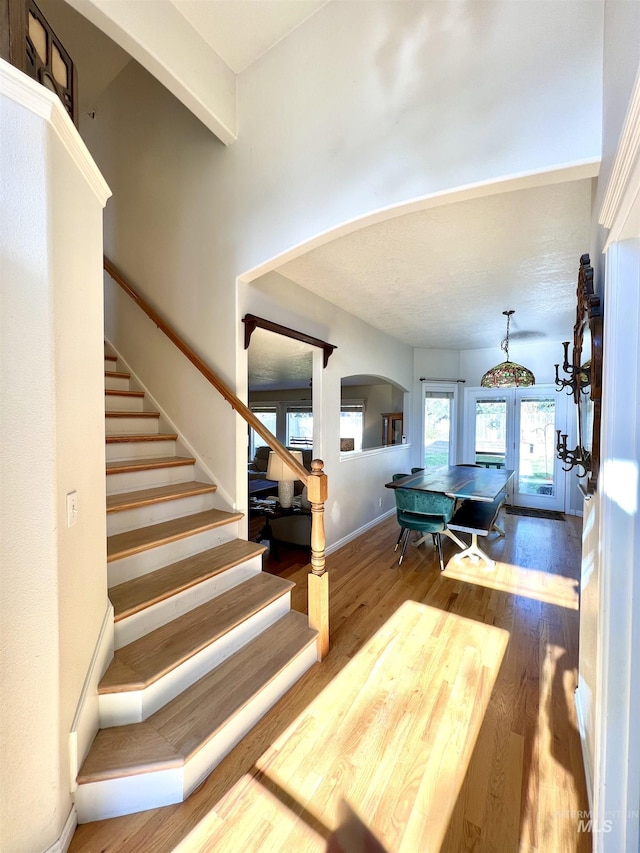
(584, 381)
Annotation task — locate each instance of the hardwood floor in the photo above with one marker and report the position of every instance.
(441, 720)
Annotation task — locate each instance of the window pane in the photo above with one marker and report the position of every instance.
(537, 447)
(491, 432)
(351, 427)
(437, 428)
(300, 428)
(266, 417)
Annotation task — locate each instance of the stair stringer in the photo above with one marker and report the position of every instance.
(86, 720)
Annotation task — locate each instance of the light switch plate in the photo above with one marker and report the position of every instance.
(72, 508)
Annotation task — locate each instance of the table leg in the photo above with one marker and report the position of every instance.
(452, 535)
(474, 552)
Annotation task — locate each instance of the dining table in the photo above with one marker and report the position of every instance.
(462, 482)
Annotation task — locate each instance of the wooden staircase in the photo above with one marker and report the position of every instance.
(205, 642)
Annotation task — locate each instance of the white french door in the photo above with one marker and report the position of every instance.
(516, 428)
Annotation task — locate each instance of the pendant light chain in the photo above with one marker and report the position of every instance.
(504, 344)
(508, 374)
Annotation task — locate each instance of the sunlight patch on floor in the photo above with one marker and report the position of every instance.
(542, 586)
(391, 737)
(556, 720)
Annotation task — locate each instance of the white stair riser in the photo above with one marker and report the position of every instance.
(132, 481)
(143, 516)
(116, 383)
(130, 426)
(138, 624)
(109, 364)
(118, 709)
(120, 450)
(140, 564)
(129, 794)
(122, 403)
(203, 762)
(101, 800)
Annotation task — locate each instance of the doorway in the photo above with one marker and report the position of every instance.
(516, 428)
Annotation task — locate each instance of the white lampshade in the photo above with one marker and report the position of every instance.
(285, 476)
(278, 470)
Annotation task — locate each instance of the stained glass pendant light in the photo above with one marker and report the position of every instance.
(507, 374)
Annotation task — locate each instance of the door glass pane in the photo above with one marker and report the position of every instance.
(537, 451)
(437, 428)
(491, 432)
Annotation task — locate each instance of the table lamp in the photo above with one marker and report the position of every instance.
(285, 476)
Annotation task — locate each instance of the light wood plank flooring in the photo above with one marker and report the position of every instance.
(442, 719)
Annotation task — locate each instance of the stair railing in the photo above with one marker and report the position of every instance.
(315, 481)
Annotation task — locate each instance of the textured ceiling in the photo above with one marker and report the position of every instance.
(278, 363)
(441, 278)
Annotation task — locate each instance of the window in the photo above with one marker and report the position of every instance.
(351, 425)
(267, 415)
(439, 429)
(299, 426)
(491, 431)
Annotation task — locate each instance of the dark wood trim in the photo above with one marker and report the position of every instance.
(592, 310)
(17, 47)
(251, 323)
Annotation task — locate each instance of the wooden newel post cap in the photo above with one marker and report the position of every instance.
(317, 483)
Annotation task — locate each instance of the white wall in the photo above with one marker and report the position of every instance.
(609, 605)
(53, 578)
(372, 104)
(188, 215)
(356, 480)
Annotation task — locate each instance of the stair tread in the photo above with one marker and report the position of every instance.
(135, 595)
(117, 374)
(147, 659)
(126, 465)
(149, 436)
(179, 729)
(141, 539)
(119, 414)
(114, 392)
(158, 494)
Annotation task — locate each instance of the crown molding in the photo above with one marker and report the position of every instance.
(46, 105)
(622, 188)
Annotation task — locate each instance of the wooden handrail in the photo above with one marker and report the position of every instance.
(209, 375)
(315, 481)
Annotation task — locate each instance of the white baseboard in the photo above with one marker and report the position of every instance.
(86, 721)
(582, 728)
(354, 535)
(64, 842)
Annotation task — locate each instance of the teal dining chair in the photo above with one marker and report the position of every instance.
(399, 477)
(425, 512)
